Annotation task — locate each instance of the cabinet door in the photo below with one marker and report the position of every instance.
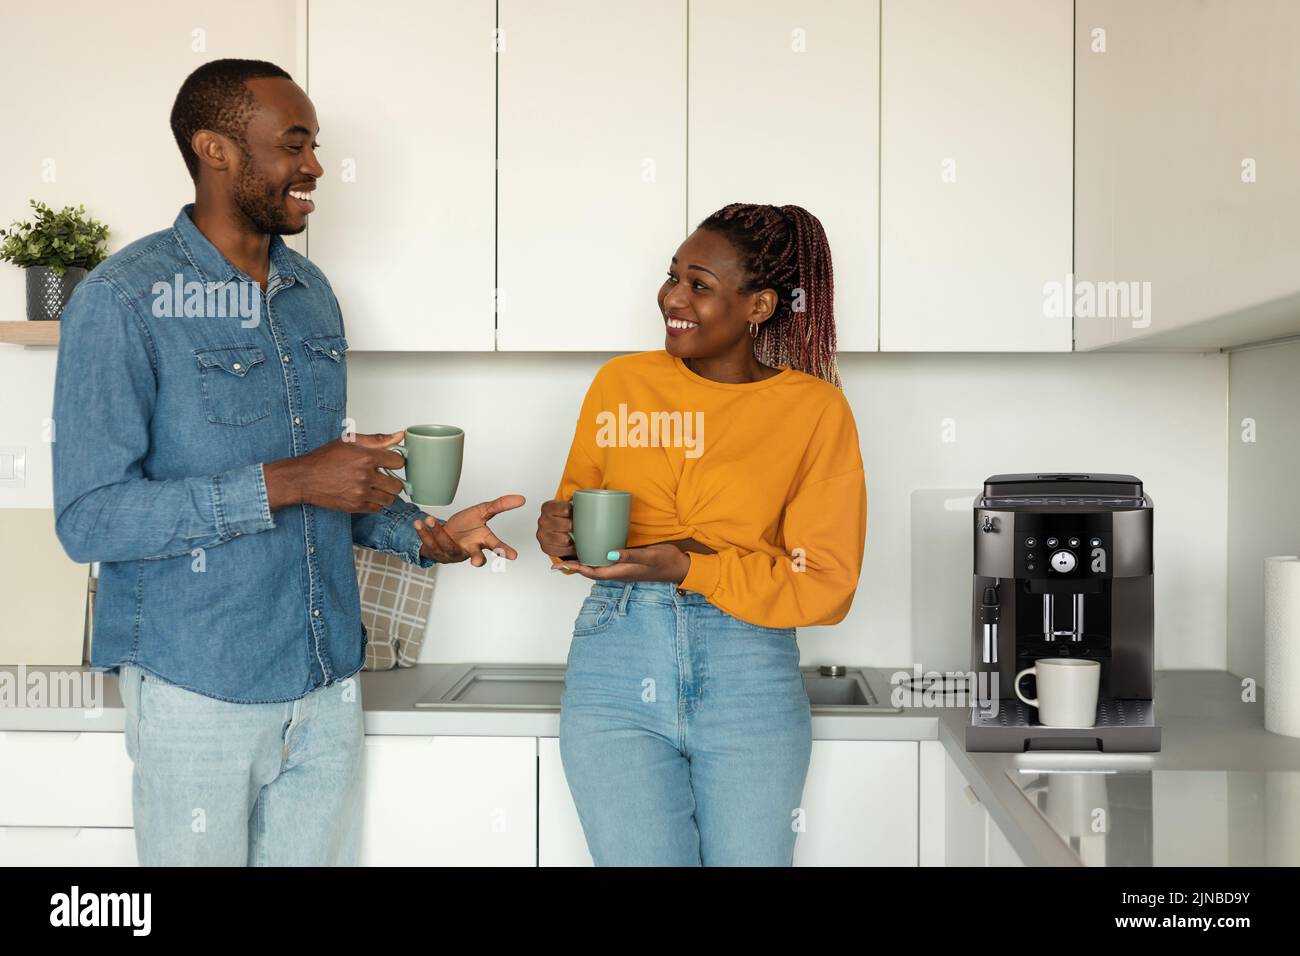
(860, 805)
(56, 779)
(1001, 852)
(560, 840)
(1186, 160)
(403, 227)
(450, 801)
(785, 109)
(976, 151)
(965, 820)
(67, 846)
(592, 182)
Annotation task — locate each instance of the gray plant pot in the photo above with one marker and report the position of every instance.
(47, 293)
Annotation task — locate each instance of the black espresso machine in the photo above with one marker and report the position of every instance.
(1063, 569)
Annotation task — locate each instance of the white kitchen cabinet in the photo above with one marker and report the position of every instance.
(1185, 171)
(450, 801)
(859, 807)
(785, 109)
(860, 804)
(592, 181)
(67, 846)
(1000, 851)
(976, 164)
(560, 840)
(405, 96)
(58, 779)
(965, 821)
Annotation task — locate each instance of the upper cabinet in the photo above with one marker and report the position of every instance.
(784, 109)
(592, 177)
(975, 171)
(1187, 193)
(404, 220)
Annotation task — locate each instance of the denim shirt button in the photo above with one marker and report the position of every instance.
(284, 358)
(297, 420)
(316, 613)
(311, 549)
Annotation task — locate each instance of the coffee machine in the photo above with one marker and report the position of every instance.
(1063, 568)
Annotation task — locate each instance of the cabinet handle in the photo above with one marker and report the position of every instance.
(971, 796)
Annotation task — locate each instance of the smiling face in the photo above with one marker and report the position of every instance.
(274, 173)
(705, 313)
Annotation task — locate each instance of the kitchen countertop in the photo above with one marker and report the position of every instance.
(1215, 749)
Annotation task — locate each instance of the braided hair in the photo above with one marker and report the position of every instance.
(784, 248)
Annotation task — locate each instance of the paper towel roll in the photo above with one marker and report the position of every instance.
(1282, 645)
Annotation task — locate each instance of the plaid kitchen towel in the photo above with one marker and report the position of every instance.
(395, 601)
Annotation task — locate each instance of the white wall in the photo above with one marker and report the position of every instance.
(1158, 416)
(1264, 494)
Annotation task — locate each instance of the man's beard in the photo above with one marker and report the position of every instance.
(263, 204)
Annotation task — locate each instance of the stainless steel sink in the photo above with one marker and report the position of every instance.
(539, 686)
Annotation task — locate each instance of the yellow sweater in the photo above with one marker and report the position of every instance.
(768, 474)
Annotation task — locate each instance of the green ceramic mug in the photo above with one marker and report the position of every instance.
(600, 518)
(433, 456)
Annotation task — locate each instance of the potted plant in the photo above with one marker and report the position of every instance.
(57, 250)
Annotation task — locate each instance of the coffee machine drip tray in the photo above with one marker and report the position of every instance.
(1123, 726)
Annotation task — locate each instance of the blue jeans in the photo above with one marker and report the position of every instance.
(224, 784)
(685, 733)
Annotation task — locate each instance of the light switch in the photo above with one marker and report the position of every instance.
(13, 466)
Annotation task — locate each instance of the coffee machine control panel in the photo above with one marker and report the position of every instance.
(1070, 546)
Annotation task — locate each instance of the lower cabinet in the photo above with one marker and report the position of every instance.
(67, 846)
(454, 801)
(450, 801)
(859, 807)
(958, 827)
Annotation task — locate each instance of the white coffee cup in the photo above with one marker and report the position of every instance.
(1067, 691)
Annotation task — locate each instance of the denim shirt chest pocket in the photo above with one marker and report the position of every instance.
(236, 389)
(326, 354)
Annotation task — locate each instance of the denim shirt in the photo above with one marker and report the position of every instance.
(171, 393)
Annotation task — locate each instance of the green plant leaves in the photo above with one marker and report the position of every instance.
(56, 240)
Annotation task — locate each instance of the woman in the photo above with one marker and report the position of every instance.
(685, 728)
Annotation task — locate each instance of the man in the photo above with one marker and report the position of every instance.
(202, 455)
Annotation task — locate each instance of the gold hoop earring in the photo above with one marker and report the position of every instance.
(753, 330)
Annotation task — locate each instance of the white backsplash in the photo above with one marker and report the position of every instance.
(1160, 417)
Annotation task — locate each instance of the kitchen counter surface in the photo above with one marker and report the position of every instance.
(389, 699)
(1222, 790)
(1217, 765)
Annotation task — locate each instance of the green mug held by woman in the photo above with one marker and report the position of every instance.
(600, 519)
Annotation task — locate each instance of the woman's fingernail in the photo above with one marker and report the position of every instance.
(612, 556)
(560, 567)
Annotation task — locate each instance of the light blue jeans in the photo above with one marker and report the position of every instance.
(224, 784)
(685, 733)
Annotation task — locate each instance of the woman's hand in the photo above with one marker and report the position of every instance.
(654, 562)
(555, 528)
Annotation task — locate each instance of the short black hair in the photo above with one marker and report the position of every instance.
(214, 97)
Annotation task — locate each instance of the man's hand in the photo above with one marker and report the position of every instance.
(341, 475)
(466, 533)
(654, 562)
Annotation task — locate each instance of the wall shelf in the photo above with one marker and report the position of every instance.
(30, 333)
